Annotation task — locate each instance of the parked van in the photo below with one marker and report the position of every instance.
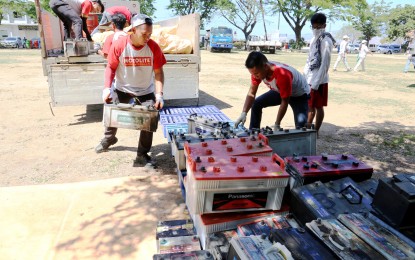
(373, 47)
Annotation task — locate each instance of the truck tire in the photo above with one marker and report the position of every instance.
(272, 51)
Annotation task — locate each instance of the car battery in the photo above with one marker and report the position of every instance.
(188, 110)
(208, 123)
(301, 243)
(168, 245)
(380, 236)
(254, 145)
(344, 243)
(181, 174)
(177, 145)
(192, 255)
(175, 228)
(235, 183)
(206, 224)
(315, 200)
(394, 200)
(308, 169)
(352, 194)
(131, 117)
(255, 228)
(257, 247)
(76, 48)
(218, 243)
(290, 142)
(369, 186)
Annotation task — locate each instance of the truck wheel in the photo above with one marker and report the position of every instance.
(272, 51)
(228, 50)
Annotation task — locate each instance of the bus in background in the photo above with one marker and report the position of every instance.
(219, 39)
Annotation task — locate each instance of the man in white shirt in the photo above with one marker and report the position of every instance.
(363, 51)
(316, 69)
(342, 54)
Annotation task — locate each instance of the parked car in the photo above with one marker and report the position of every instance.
(13, 42)
(389, 49)
(353, 48)
(373, 47)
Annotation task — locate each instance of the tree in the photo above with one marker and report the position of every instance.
(240, 13)
(17, 6)
(206, 8)
(401, 20)
(349, 31)
(147, 7)
(297, 12)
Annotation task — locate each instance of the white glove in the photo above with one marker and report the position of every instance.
(106, 95)
(276, 127)
(241, 119)
(159, 101)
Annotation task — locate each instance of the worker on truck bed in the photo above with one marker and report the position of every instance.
(136, 62)
(118, 23)
(75, 12)
(287, 87)
(109, 12)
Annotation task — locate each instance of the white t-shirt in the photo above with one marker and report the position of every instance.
(363, 51)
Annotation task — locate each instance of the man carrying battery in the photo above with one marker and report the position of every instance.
(136, 62)
(287, 87)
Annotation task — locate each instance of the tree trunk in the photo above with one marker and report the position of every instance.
(297, 32)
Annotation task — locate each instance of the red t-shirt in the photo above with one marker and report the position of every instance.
(120, 9)
(86, 8)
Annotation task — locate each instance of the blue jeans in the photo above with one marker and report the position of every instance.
(299, 106)
(408, 62)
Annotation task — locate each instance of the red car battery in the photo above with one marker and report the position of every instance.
(290, 142)
(192, 255)
(352, 193)
(206, 224)
(394, 200)
(383, 238)
(315, 201)
(218, 243)
(254, 145)
(168, 245)
(301, 244)
(257, 247)
(344, 243)
(308, 169)
(175, 228)
(235, 183)
(255, 228)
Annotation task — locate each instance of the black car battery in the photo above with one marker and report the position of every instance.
(315, 201)
(383, 238)
(343, 242)
(369, 186)
(394, 200)
(352, 194)
(301, 243)
(175, 228)
(290, 142)
(308, 169)
(192, 255)
(218, 243)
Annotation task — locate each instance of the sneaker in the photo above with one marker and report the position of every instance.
(104, 144)
(144, 160)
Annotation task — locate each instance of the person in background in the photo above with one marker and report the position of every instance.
(24, 42)
(316, 69)
(109, 12)
(75, 12)
(410, 52)
(118, 24)
(363, 51)
(342, 54)
(136, 62)
(287, 87)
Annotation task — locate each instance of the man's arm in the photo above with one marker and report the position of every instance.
(250, 98)
(282, 110)
(159, 83)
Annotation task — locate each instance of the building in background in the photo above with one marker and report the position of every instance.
(13, 24)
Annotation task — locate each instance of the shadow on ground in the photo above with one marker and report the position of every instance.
(92, 114)
(388, 147)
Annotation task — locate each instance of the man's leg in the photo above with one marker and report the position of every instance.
(408, 62)
(61, 9)
(270, 98)
(363, 64)
(299, 106)
(319, 118)
(337, 61)
(345, 63)
(320, 103)
(358, 64)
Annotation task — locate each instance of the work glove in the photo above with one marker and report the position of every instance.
(276, 128)
(159, 101)
(106, 95)
(241, 119)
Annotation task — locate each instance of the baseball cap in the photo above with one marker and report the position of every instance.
(364, 41)
(140, 19)
(345, 37)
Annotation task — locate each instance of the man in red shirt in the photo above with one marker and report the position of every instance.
(118, 23)
(136, 62)
(75, 12)
(287, 87)
(109, 12)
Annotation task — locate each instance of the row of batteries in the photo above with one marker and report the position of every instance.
(246, 202)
